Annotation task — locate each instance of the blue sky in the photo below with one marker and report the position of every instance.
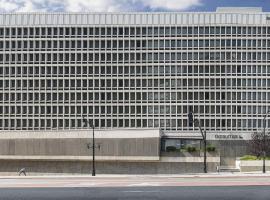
(210, 5)
(124, 5)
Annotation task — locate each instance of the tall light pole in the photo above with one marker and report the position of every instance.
(203, 133)
(93, 146)
(264, 139)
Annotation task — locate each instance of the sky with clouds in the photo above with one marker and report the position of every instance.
(124, 5)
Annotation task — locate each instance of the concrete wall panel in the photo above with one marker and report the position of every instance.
(78, 146)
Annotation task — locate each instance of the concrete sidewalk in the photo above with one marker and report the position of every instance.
(129, 181)
(197, 175)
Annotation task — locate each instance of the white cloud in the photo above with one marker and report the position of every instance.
(8, 5)
(172, 4)
(91, 5)
(95, 5)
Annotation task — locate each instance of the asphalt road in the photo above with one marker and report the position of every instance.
(145, 193)
(194, 187)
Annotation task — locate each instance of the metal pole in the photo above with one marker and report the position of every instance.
(204, 142)
(264, 139)
(93, 147)
(264, 153)
(205, 163)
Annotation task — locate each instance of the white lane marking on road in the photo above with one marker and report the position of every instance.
(143, 184)
(140, 191)
(80, 184)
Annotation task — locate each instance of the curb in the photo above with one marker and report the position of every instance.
(215, 175)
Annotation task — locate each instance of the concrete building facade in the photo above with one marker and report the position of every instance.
(134, 70)
(137, 71)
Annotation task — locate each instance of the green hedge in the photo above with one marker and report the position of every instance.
(171, 149)
(251, 157)
(191, 149)
(210, 148)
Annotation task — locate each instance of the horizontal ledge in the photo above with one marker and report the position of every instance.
(253, 163)
(110, 158)
(83, 134)
(80, 158)
(189, 159)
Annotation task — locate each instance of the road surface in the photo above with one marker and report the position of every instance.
(136, 187)
(145, 193)
(132, 181)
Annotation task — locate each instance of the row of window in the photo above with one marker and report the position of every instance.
(130, 31)
(132, 109)
(130, 44)
(170, 70)
(132, 57)
(104, 97)
(148, 84)
(164, 124)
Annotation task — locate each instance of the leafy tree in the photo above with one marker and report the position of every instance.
(256, 144)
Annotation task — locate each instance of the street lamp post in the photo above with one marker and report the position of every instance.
(204, 154)
(203, 133)
(264, 139)
(93, 146)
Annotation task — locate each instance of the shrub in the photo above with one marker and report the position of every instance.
(249, 157)
(171, 149)
(210, 148)
(191, 149)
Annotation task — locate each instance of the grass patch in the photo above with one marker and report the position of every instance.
(251, 157)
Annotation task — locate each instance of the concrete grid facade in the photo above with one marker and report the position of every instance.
(134, 70)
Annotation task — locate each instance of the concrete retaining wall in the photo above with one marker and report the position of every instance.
(253, 165)
(8, 167)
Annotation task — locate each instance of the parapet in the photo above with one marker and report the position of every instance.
(239, 9)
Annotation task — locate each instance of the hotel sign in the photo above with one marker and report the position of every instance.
(228, 136)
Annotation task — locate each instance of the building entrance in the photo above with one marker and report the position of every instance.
(227, 153)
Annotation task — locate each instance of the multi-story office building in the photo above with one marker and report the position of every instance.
(135, 70)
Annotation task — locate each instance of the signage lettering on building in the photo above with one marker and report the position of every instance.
(229, 137)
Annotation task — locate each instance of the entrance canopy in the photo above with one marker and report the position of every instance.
(182, 135)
